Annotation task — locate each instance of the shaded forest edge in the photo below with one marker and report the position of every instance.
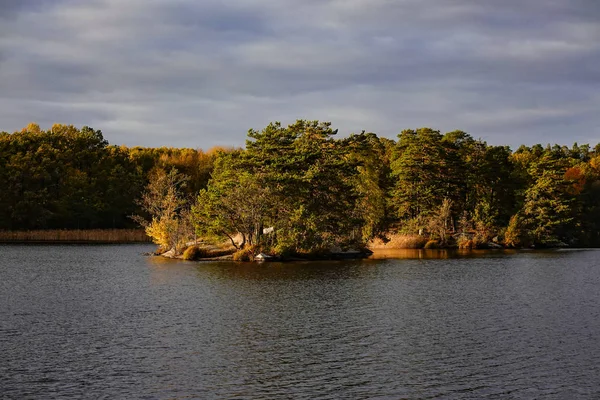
(299, 191)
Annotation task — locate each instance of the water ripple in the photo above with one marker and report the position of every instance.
(106, 322)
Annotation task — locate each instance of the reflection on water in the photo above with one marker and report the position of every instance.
(107, 322)
(436, 253)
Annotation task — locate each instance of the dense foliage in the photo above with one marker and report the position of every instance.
(299, 189)
(70, 178)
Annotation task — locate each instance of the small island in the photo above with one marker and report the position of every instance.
(297, 192)
(300, 192)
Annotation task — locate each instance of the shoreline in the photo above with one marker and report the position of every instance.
(68, 242)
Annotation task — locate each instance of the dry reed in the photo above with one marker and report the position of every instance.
(398, 241)
(76, 236)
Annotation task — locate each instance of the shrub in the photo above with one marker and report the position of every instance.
(413, 225)
(192, 253)
(513, 236)
(464, 242)
(480, 241)
(245, 254)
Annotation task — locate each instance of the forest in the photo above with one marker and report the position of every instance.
(300, 189)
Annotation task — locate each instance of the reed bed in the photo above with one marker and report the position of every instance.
(398, 241)
(76, 236)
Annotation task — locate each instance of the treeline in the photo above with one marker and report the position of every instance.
(70, 178)
(299, 189)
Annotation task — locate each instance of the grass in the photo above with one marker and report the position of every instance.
(399, 241)
(76, 236)
(245, 254)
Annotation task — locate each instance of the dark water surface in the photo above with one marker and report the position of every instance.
(108, 322)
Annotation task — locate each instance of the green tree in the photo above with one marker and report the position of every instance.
(427, 169)
(310, 178)
(546, 211)
(234, 202)
(372, 182)
(297, 179)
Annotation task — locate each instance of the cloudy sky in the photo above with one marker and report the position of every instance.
(200, 73)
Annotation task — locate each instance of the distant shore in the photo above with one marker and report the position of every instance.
(82, 236)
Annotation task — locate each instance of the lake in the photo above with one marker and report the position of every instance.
(109, 322)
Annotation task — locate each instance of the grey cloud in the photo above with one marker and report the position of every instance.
(242, 23)
(201, 73)
(9, 8)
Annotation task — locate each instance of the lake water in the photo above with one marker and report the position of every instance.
(109, 322)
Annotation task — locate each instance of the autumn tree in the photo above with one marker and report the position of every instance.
(167, 221)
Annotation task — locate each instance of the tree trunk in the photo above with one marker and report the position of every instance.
(232, 241)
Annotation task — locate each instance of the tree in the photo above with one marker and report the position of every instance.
(372, 182)
(296, 179)
(163, 201)
(546, 211)
(310, 179)
(427, 169)
(438, 223)
(234, 202)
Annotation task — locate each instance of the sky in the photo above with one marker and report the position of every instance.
(200, 73)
